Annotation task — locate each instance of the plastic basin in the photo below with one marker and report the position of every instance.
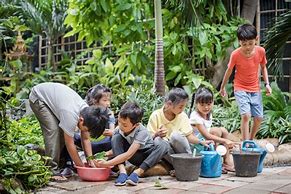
(93, 174)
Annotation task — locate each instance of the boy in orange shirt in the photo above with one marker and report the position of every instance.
(248, 59)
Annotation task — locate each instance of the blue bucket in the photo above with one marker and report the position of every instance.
(211, 165)
(251, 146)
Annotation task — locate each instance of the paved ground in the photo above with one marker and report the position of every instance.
(271, 181)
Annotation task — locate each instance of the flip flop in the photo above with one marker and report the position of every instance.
(228, 168)
(223, 171)
(59, 179)
(172, 173)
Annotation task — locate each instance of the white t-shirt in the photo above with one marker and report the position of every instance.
(195, 119)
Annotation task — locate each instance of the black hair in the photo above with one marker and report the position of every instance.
(246, 32)
(176, 95)
(95, 119)
(132, 111)
(95, 93)
(202, 95)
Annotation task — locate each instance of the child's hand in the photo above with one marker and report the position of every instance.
(100, 163)
(109, 153)
(223, 92)
(108, 132)
(162, 131)
(229, 144)
(91, 163)
(207, 142)
(268, 90)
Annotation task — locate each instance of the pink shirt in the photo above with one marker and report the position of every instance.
(247, 69)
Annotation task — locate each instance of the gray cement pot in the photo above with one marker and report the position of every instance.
(187, 167)
(246, 163)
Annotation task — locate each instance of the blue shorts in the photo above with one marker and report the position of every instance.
(249, 103)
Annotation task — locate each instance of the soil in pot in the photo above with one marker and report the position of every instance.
(187, 167)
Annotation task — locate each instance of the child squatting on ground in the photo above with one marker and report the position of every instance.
(201, 121)
(132, 142)
(248, 59)
(172, 124)
(100, 96)
(60, 110)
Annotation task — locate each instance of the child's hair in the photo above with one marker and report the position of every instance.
(132, 111)
(95, 119)
(176, 95)
(246, 32)
(202, 95)
(95, 93)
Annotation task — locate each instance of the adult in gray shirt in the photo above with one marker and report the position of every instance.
(60, 111)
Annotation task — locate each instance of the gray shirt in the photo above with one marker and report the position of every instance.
(64, 102)
(139, 135)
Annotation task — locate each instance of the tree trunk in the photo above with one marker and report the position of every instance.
(220, 68)
(249, 10)
(159, 53)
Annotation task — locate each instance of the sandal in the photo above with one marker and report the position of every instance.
(58, 179)
(224, 171)
(172, 173)
(228, 168)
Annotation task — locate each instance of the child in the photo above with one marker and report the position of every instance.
(247, 59)
(100, 96)
(173, 125)
(201, 121)
(132, 141)
(59, 109)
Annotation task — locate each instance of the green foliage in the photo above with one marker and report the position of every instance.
(277, 121)
(20, 168)
(116, 21)
(276, 39)
(228, 117)
(24, 165)
(147, 100)
(112, 23)
(25, 131)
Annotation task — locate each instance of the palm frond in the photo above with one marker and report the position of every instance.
(276, 40)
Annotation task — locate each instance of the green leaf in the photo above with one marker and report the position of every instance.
(104, 5)
(171, 75)
(133, 58)
(97, 53)
(202, 37)
(108, 64)
(176, 68)
(21, 150)
(123, 7)
(196, 81)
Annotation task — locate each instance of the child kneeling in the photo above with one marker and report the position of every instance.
(132, 142)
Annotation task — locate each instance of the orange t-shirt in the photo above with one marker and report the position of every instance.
(247, 76)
